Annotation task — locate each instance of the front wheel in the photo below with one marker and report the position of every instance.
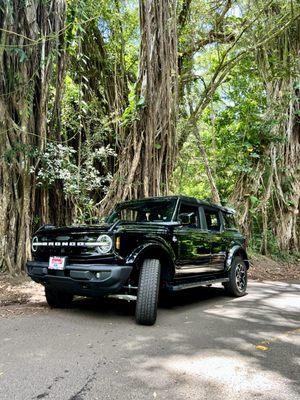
(58, 299)
(237, 284)
(147, 296)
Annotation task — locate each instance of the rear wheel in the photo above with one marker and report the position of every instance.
(148, 289)
(237, 284)
(58, 299)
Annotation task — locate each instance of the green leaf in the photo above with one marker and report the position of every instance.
(22, 55)
(141, 102)
(254, 200)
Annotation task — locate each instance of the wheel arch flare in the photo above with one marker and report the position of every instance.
(237, 250)
(154, 250)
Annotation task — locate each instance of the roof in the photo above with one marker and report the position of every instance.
(188, 199)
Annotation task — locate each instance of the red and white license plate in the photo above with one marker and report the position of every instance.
(58, 263)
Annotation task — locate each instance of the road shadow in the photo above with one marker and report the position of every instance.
(103, 307)
(208, 340)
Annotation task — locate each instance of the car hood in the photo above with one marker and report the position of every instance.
(119, 226)
(73, 229)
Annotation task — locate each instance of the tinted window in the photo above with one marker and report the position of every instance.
(229, 221)
(144, 211)
(193, 213)
(212, 220)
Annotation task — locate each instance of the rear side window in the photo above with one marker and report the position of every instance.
(212, 220)
(229, 221)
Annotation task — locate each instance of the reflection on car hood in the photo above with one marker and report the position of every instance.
(113, 227)
(54, 230)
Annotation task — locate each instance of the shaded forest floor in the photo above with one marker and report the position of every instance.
(264, 268)
(16, 292)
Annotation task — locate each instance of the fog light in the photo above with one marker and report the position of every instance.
(102, 275)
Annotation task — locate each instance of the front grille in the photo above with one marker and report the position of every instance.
(78, 248)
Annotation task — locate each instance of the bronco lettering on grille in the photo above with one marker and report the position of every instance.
(67, 244)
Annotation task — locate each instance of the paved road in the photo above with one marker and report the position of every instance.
(204, 346)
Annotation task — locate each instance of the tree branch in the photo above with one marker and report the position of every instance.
(212, 37)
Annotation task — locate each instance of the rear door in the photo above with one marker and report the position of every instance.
(218, 241)
(192, 244)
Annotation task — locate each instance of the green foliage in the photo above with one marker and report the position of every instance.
(100, 101)
(20, 150)
(79, 179)
(189, 177)
(234, 131)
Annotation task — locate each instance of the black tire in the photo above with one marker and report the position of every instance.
(148, 289)
(238, 279)
(57, 299)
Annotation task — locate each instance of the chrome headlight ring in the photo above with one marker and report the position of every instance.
(35, 239)
(105, 244)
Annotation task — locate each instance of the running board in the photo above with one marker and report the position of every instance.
(190, 285)
(128, 297)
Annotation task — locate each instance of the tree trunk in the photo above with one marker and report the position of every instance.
(150, 148)
(287, 180)
(25, 68)
(215, 197)
(274, 183)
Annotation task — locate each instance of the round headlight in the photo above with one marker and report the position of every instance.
(104, 244)
(34, 240)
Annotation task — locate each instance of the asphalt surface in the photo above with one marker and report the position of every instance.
(204, 346)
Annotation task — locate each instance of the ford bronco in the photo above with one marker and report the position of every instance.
(145, 246)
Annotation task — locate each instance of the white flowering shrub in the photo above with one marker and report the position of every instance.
(78, 172)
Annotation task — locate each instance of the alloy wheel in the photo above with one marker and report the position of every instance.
(241, 276)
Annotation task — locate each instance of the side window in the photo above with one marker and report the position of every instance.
(212, 220)
(191, 212)
(229, 221)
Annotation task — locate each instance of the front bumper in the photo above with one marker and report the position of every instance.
(81, 279)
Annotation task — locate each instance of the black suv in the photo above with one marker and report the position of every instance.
(159, 243)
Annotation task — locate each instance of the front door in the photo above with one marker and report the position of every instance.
(192, 244)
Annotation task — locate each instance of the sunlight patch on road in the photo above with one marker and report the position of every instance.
(223, 373)
(262, 305)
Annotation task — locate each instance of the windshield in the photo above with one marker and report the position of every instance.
(144, 211)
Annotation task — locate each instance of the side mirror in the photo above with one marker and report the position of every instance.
(185, 218)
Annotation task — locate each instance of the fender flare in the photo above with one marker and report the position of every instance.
(139, 252)
(237, 249)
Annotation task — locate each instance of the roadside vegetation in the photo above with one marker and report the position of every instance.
(107, 100)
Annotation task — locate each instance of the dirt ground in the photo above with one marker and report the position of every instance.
(265, 269)
(19, 295)
(16, 292)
